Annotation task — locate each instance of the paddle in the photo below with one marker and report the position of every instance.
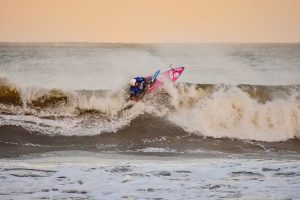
(151, 82)
(155, 76)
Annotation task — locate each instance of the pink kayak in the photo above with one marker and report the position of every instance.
(170, 75)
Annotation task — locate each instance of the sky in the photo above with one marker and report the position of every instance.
(150, 21)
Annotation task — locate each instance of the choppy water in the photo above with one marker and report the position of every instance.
(82, 175)
(240, 100)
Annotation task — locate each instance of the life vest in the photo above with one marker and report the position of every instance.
(134, 90)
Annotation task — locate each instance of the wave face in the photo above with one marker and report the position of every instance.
(76, 95)
(262, 113)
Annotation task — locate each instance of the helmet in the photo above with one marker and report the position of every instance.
(132, 82)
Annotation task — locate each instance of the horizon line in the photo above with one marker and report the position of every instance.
(94, 42)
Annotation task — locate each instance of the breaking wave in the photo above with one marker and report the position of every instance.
(250, 112)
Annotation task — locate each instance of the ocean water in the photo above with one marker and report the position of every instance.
(228, 129)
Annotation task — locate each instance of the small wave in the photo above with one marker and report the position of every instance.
(49, 99)
(140, 137)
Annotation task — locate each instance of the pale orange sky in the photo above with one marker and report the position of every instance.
(150, 20)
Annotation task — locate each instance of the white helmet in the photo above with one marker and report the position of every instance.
(132, 82)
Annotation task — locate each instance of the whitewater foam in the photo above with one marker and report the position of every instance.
(114, 176)
(231, 112)
(243, 112)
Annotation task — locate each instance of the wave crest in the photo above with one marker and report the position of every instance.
(264, 113)
(9, 94)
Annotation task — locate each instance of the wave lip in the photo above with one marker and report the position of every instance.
(9, 94)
